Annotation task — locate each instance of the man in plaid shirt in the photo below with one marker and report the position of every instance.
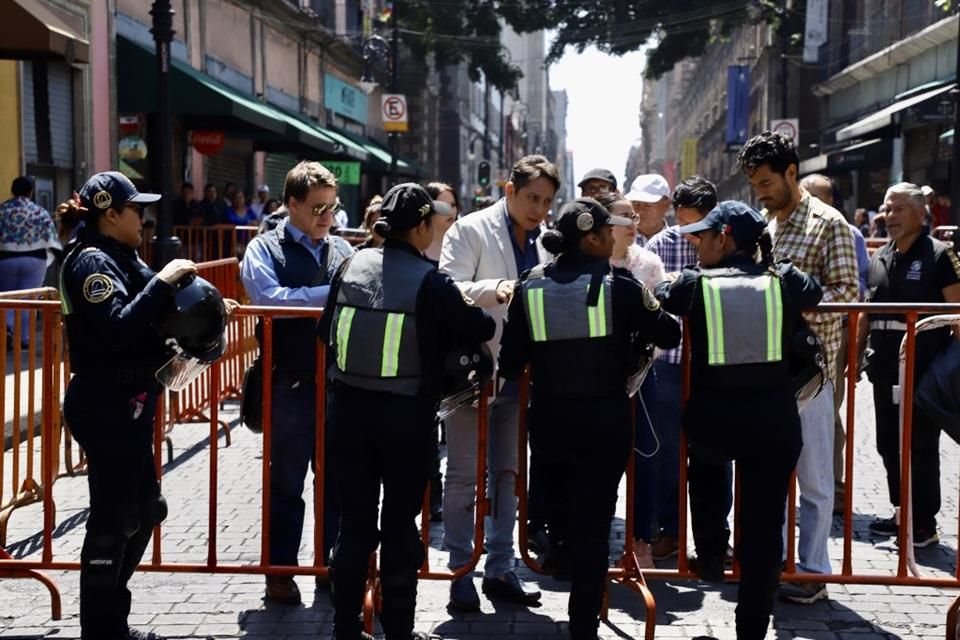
(816, 238)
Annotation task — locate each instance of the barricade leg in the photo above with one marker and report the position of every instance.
(55, 606)
(952, 620)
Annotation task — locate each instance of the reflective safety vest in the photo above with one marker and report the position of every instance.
(574, 350)
(744, 316)
(560, 311)
(374, 328)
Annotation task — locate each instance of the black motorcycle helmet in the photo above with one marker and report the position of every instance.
(197, 320)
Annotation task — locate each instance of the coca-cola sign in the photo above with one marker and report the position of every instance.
(209, 143)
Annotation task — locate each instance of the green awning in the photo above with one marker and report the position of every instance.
(381, 155)
(349, 147)
(204, 101)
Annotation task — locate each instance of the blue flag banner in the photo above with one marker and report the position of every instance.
(738, 104)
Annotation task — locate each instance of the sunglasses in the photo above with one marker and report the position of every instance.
(136, 208)
(320, 209)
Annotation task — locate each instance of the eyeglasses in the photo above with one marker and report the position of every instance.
(596, 190)
(322, 208)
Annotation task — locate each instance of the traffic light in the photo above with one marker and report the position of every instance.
(483, 173)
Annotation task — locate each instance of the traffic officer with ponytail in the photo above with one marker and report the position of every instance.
(748, 340)
(392, 321)
(581, 327)
(115, 309)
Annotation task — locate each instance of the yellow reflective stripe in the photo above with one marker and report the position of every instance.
(714, 313)
(64, 297)
(343, 335)
(774, 303)
(391, 345)
(597, 316)
(537, 318)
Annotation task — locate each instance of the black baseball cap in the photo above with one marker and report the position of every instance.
(734, 218)
(112, 189)
(586, 214)
(599, 174)
(406, 205)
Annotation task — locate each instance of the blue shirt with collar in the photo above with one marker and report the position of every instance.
(526, 256)
(260, 279)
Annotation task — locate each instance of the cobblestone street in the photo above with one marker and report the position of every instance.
(202, 606)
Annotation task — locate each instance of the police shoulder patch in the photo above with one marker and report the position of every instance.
(97, 288)
(649, 300)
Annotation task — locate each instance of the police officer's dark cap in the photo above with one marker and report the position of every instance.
(112, 189)
(734, 218)
(599, 174)
(406, 205)
(586, 214)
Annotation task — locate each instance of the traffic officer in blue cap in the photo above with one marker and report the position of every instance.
(112, 304)
(392, 320)
(744, 319)
(581, 326)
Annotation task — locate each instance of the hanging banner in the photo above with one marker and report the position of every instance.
(209, 143)
(738, 105)
(688, 158)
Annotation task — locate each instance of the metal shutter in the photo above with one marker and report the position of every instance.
(29, 123)
(229, 166)
(276, 167)
(60, 87)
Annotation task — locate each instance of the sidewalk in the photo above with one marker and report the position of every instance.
(199, 606)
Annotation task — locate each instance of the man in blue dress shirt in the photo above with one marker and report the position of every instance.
(290, 263)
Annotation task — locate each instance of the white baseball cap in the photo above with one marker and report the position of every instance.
(650, 187)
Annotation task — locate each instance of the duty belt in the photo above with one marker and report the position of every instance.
(888, 325)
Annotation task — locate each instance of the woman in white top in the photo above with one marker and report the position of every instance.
(442, 222)
(645, 266)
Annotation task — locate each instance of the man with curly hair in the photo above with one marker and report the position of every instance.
(816, 238)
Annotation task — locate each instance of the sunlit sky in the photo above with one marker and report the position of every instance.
(604, 93)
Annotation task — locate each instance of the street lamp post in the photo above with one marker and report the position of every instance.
(165, 245)
(375, 48)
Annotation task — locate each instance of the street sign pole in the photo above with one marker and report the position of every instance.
(955, 163)
(394, 84)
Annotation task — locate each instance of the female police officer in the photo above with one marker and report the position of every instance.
(111, 302)
(744, 318)
(392, 320)
(577, 323)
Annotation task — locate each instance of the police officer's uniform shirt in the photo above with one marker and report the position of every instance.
(445, 320)
(636, 311)
(110, 300)
(920, 274)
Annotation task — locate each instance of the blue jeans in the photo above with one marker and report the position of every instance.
(460, 492)
(645, 468)
(293, 445)
(668, 428)
(17, 273)
(815, 477)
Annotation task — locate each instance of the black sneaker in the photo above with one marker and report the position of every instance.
(923, 537)
(887, 527)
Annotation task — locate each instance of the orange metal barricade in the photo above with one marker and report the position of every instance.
(206, 243)
(626, 572)
(213, 382)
